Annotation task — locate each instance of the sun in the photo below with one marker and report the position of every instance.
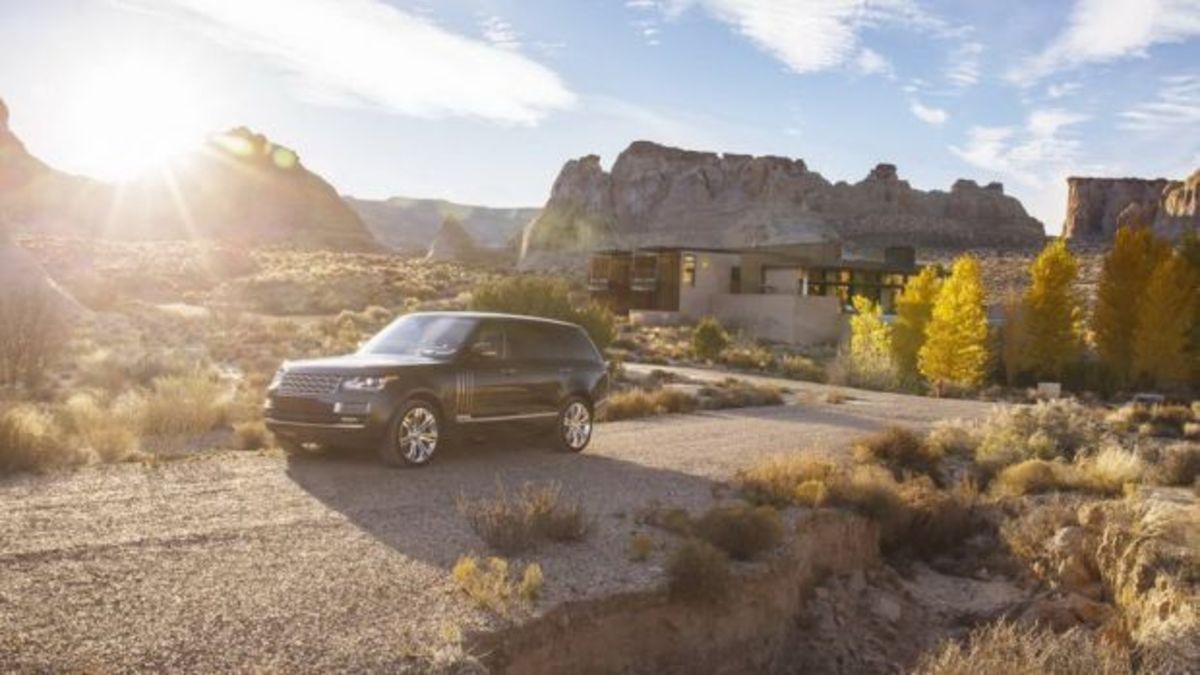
(131, 116)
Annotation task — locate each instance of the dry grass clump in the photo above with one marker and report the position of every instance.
(1105, 472)
(636, 403)
(782, 480)
(899, 449)
(110, 432)
(698, 572)
(490, 584)
(734, 393)
(1006, 648)
(34, 321)
(1033, 476)
(641, 545)
(185, 404)
(1153, 420)
(796, 367)
(514, 523)
(1047, 430)
(747, 357)
(1178, 464)
(952, 438)
(741, 530)
(252, 435)
(29, 441)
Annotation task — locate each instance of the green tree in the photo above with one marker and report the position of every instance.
(545, 297)
(709, 339)
(1164, 324)
(1051, 314)
(914, 307)
(1126, 270)
(955, 350)
(870, 344)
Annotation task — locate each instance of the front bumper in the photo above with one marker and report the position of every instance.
(343, 419)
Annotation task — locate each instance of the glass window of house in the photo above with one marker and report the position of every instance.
(689, 269)
(735, 279)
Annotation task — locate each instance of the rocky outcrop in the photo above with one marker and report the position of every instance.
(657, 195)
(1097, 207)
(408, 225)
(452, 243)
(240, 188)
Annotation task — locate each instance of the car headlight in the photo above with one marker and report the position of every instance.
(365, 383)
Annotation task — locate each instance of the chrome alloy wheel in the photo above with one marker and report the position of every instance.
(576, 425)
(418, 435)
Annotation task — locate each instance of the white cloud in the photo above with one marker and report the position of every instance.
(368, 53)
(1036, 155)
(1106, 30)
(1177, 107)
(870, 62)
(927, 114)
(963, 69)
(1057, 90)
(500, 33)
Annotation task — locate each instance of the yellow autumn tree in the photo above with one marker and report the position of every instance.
(1125, 273)
(955, 350)
(870, 362)
(1051, 314)
(1164, 324)
(914, 307)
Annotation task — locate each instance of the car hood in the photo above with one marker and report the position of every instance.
(359, 363)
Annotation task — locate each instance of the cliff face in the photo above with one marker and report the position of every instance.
(239, 187)
(406, 224)
(1097, 207)
(656, 195)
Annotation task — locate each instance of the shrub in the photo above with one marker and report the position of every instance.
(33, 331)
(698, 572)
(1108, 471)
(29, 440)
(185, 404)
(672, 519)
(1033, 476)
(111, 433)
(735, 393)
(939, 519)
(797, 367)
(513, 523)
(1027, 533)
(252, 435)
(1006, 648)
(952, 438)
(747, 357)
(490, 585)
(1047, 430)
(643, 403)
(900, 450)
(544, 297)
(1179, 464)
(741, 530)
(640, 547)
(775, 480)
(709, 339)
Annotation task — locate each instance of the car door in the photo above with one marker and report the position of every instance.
(537, 358)
(487, 384)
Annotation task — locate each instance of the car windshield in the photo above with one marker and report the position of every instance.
(422, 335)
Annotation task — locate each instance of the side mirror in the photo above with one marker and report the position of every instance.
(485, 350)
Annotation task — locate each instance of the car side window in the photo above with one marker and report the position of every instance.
(528, 342)
(494, 336)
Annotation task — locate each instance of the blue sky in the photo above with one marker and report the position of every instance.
(483, 100)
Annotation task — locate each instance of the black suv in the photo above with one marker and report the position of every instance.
(426, 375)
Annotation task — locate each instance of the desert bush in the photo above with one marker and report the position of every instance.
(735, 393)
(670, 518)
(514, 523)
(1178, 464)
(1006, 648)
(33, 331)
(747, 357)
(775, 480)
(796, 367)
(1108, 471)
(952, 438)
(640, 547)
(698, 572)
(111, 432)
(1027, 533)
(939, 520)
(644, 403)
(490, 584)
(545, 297)
(741, 530)
(29, 440)
(900, 450)
(709, 339)
(1047, 430)
(252, 435)
(185, 404)
(1032, 476)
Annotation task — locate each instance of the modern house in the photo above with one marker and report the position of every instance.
(793, 294)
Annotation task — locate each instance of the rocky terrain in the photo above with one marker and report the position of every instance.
(408, 225)
(1096, 207)
(240, 187)
(657, 195)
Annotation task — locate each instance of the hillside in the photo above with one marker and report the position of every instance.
(1096, 207)
(239, 187)
(657, 195)
(407, 224)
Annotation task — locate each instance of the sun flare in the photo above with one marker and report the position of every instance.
(132, 116)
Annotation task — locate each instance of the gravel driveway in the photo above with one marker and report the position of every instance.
(252, 561)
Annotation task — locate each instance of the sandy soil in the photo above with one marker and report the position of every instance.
(244, 561)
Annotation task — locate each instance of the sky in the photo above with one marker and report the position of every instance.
(482, 101)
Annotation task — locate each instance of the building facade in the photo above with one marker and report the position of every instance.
(795, 294)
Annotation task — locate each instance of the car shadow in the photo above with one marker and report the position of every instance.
(415, 511)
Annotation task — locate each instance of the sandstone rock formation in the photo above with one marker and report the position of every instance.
(1097, 207)
(239, 187)
(657, 195)
(406, 224)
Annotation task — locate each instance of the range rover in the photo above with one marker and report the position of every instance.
(426, 377)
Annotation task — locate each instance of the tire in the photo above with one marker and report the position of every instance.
(415, 435)
(573, 428)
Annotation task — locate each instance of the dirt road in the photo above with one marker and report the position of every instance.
(243, 561)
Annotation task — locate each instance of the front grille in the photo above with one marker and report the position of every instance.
(307, 384)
